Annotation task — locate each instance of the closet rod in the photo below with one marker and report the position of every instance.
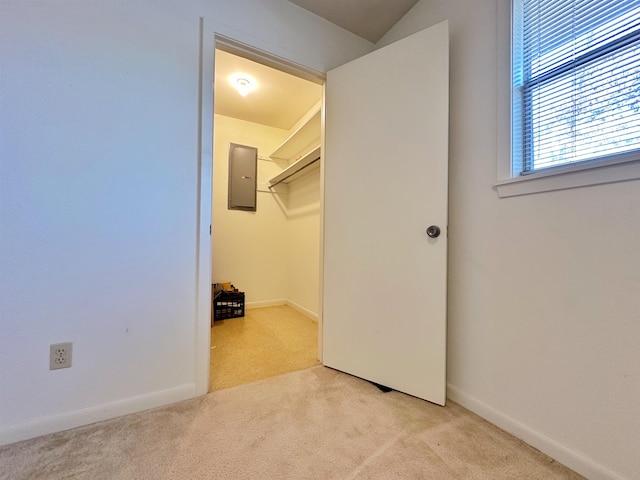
(293, 173)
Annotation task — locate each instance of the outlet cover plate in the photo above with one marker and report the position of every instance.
(60, 355)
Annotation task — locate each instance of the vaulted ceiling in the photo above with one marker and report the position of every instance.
(369, 19)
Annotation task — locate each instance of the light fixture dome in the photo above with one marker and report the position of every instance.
(244, 84)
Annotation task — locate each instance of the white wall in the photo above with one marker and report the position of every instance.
(303, 243)
(98, 190)
(249, 248)
(544, 322)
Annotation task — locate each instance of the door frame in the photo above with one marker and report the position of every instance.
(205, 150)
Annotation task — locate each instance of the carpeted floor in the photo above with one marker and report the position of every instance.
(311, 424)
(264, 343)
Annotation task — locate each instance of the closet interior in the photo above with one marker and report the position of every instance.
(270, 252)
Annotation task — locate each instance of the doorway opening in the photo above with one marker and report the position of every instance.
(272, 254)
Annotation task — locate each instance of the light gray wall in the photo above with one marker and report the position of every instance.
(544, 289)
(98, 190)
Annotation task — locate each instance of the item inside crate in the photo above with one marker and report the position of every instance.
(228, 302)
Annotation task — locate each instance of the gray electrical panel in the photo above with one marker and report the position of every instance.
(243, 170)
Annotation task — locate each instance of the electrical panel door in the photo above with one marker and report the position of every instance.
(243, 169)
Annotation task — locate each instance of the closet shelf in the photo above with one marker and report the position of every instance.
(304, 135)
(289, 174)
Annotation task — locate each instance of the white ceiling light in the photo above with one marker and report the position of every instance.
(243, 83)
(243, 86)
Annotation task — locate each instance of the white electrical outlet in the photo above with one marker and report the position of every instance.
(60, 355)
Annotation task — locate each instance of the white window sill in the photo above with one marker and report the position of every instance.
(620, 169)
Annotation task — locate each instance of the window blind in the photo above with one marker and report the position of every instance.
(577, 81)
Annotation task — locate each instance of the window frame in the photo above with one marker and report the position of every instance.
(600, 170)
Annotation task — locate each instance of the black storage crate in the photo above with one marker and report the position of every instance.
(228, 305)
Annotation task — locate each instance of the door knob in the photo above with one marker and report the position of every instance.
(433, 231)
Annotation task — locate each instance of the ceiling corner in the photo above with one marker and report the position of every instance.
(369, 19)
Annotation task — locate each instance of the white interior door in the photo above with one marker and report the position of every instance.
(386, 173)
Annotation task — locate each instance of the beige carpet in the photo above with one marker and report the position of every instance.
(264, 343)
(311, 424)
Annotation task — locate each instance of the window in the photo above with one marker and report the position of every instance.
(576, 82)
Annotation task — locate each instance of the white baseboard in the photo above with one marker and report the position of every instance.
(283, 301)
(86, 416)
(572, 459)
(266, 303)
(304, 311)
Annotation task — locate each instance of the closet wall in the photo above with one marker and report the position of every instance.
(249, 248)
(271, 254)
(303, 243)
